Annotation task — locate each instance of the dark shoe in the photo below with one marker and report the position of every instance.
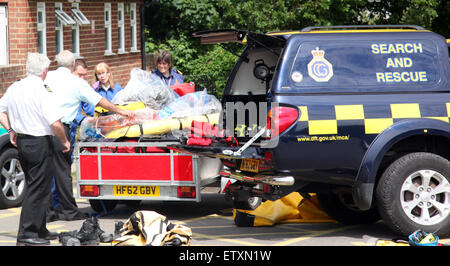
(101, 235)
(32, 242)
(69, 238)
(50, 235)
(87, 234)
(78, 216)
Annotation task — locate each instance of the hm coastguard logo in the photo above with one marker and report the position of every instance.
(319, 68)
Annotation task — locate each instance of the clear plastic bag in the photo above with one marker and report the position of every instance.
(92, 128)
(197, 103)
(147, 88)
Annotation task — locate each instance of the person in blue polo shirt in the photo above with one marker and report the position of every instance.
(104, 85)
(164, 69)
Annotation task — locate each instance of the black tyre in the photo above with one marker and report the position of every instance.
(12, 179)
(342, 208)
(414, 193)
(103, 206)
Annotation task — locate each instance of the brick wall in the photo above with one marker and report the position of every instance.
(9, 74)
(23, 38)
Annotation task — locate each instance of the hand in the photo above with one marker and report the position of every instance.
(13, 138)
(127, 113)
(66, 145)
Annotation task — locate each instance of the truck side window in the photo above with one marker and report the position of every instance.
(366, 65)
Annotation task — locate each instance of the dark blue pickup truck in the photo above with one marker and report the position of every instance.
(358, 115)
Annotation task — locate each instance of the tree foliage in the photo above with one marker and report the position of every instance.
(170, 24)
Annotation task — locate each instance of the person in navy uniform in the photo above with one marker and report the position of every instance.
(165, 71)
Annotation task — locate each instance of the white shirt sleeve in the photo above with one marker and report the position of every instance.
(88, 94)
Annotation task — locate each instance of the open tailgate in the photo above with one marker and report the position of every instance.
(240, 36)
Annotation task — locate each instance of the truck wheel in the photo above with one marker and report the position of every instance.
(342, 208)
(12, 179)
(103, 206)
(414, 193)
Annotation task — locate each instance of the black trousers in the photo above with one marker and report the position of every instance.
(36, 159)
(63, 179)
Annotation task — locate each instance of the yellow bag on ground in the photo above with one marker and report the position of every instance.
(149, 228)
(292, 208)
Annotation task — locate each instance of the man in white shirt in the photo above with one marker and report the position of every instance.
(70, 91)
(31, 116)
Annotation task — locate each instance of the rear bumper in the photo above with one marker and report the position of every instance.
(166, 192)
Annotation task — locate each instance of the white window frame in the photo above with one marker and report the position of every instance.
(75, 34)
(4, 50)
(62, 16)
(59, 29)
(108, 28)
(41, 27)
(133, 28)
(79, 16)
(121, 27)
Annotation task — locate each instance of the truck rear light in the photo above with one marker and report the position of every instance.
(280, 118)
(186, 192)
(89, 191)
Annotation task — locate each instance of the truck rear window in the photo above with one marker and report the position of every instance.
(355, 64)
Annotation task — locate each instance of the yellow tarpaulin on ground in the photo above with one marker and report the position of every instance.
(292, 208)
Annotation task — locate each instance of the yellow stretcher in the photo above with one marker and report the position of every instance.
(129, 106)
(161, 126)
(153, 127)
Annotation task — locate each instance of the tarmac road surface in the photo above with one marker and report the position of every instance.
(212, 224)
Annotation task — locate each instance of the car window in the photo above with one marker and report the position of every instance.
(365, 65)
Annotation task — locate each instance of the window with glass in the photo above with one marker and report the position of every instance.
(133, 27)
(62, 16)
(364, 64)
(79, 16)
(59, 32)
(121, 26)
(108, 46)
(41, 28)
(75, 34)
(4, 58)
